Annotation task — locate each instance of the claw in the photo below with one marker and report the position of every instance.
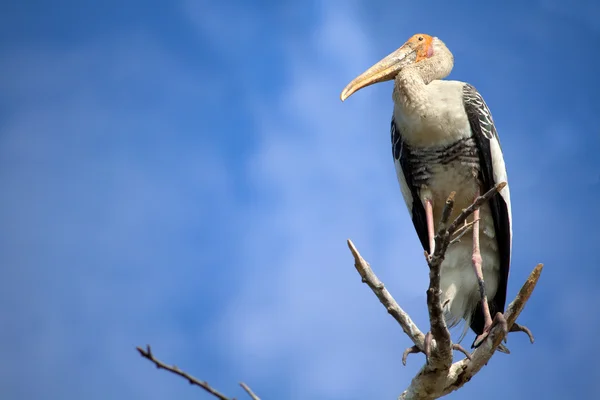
(458, 347)
(414, 349)
(522, 328)
(427, 349)
(427, 346)
(498, 319)
(503, 349)
(479, 339)
(410, 350)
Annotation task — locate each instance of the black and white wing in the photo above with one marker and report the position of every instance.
(410, 191)
(492, 172)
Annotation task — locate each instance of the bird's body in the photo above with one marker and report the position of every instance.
(444, 140)
(434, 141)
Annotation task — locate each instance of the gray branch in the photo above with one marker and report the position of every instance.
(426, 386)
(390, 304)
(440, 376)
(147, 354)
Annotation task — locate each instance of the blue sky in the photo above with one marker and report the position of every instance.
(183, 174)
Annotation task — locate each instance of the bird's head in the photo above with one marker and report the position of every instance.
(420, 50)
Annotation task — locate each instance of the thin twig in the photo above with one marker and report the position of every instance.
(392, 307)
(460, 232)
(479, 201)
(249, 391)
(171, 368)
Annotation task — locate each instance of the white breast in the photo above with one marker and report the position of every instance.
(440, 121)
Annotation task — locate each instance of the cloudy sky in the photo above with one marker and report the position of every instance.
(183, 174)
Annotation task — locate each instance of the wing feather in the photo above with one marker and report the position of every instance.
(492, 172)
(410, 191)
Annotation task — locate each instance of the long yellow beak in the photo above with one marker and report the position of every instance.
(384, 70)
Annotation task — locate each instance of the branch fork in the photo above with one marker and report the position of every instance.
(440, 376)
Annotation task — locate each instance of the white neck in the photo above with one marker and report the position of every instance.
(410, 92)
(410, 85)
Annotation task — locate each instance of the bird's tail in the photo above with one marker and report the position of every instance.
(454, 320)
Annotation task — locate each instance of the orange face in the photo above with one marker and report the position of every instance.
(423, 44)
(417, 48)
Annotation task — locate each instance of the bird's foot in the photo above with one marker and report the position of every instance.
(427, 349)
(498, 320)
(522, 328)
(410, 350)
(515, 328)
(458, 347)
(428, 256)
(415, 349)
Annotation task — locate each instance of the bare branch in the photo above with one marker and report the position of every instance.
(392, 307)
(249, 391)
(147, 353)
(441, 356)
(460, 232)
(439, 376)
(423, 388)
(479, 201)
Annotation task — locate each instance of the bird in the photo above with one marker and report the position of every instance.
(444, 140)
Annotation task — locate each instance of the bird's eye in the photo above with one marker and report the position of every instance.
(420, 37)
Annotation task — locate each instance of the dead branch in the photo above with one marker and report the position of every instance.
(460, 232)
(249, 391)
(441, 356)
(392, 307)
(439, 376)
(423, 387)
(147, 353)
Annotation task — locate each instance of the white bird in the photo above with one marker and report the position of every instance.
(444, 140)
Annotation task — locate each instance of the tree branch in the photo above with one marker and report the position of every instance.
(423, 387)
(439, 376)
(441, 355)
(249, 391)
(390, 304)
(147, 353)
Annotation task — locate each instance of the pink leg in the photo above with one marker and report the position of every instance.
(430, 227)
(477, 266)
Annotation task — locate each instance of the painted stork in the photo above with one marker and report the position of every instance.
(444, 140)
